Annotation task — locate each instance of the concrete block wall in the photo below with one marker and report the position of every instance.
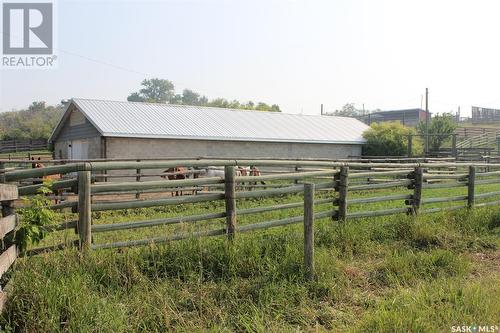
(157, 148)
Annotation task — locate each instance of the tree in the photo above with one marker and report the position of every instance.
(176, 99)
(441, 127)
(189, 97)
(203, 100)
(37, 106)
(249, 106)
(135, 97)
(153, 91)
(349, 110)
(162, 91)
(219, 103)
(390, 139)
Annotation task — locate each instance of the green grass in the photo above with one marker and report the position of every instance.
(388, 274)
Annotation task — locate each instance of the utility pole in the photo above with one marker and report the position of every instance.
(426, 121)
(321, 108)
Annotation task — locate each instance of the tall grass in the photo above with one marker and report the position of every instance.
(384, 274)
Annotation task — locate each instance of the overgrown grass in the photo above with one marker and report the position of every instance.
(393, 274)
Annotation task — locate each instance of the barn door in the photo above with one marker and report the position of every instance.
(79, 149)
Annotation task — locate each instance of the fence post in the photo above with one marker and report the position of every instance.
(454, 145)
(230, 196)
(410, 145)
(309, 230)
(84, 210)
(471, 186)
(296, 181)
(7, 207)
(74, 189)
(137, 179)
(343, 190)
(2, 172)
(417, 190)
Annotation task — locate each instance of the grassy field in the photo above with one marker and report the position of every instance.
(390, 274)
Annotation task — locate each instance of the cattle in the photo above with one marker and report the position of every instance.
(178, 173)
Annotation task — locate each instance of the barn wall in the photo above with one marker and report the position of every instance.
(94, 148)
(77, 127)
(157, 148)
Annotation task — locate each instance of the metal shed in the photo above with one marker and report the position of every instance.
(91, 129)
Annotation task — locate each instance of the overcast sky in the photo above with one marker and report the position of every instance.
(298, 54)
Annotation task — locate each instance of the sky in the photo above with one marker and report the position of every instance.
(298, 54)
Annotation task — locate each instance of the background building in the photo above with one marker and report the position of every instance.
(91, 129)
(407, 117)
(485, 115)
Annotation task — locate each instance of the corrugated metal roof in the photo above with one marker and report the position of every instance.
(152, 120)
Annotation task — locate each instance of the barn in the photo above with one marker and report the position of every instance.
(93, 129)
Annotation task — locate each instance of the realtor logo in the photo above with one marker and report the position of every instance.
(28, 29)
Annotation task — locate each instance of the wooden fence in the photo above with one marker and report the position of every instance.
(14, 146)
(471, 131)
(8, 222)
(340, 180)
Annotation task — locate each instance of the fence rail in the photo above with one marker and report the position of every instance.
(14, 146)
(8, 222)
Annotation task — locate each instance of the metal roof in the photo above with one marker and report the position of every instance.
(154, 120)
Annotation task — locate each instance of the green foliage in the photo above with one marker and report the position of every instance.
(162, 91)
(33, 217)
(443, 125)
(37, 122)
(223, 103)
(153, 91)
(350, 110)
(390, 139)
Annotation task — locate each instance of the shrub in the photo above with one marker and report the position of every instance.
(390, 139)
(34, 216)
(444, 125)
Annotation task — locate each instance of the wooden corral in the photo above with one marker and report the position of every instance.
(86, 193)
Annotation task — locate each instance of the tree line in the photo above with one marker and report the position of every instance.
(163, 91)
(39, 119)
(35, 122)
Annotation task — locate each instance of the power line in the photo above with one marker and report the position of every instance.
(129, 70)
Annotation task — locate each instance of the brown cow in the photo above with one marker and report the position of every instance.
(178, 173)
